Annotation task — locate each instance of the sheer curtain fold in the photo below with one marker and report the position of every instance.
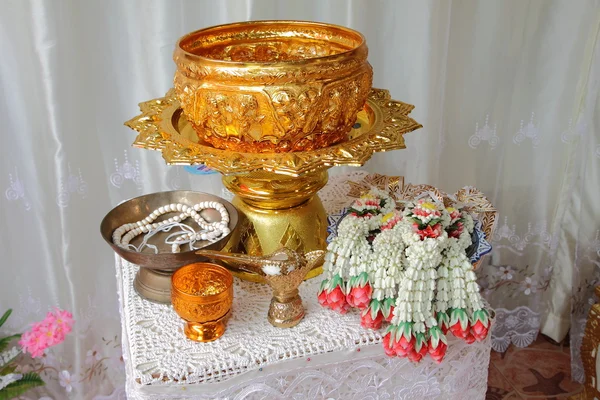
(507, 93)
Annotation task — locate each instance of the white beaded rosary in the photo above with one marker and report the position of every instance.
(210, 231)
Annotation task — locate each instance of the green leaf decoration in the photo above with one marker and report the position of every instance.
(335, 282)
(399, 333)
(9, 369)
(420, 340)
(17, 388)
(351, 282)
(387, 307)
(374, 313)
(486, 317)
(437, 336)
(434, 221)
(362, 278)
(4, 342)
(390, 329)
(323, 285)
(419, 222)
(481, 315)
(442, 318)
(407, 330)
(382, 203)
(434, 342)
(5, 317)
(375, 307)
(443, 339)
(463, 321)
(361, 213)
(453, 317)
(459, 315)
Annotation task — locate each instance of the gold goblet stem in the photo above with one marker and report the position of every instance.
(205, 331)
(286, 309)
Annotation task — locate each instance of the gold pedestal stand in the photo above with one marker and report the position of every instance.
(277, 211)
(275, 192)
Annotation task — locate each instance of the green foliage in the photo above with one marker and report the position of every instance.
(9, 369)
(17, 388)
(5, 317)
(5, 341)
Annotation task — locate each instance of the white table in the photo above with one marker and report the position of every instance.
(327, 355)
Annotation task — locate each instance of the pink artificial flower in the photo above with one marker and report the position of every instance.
(459, 332)
(323, 298)
(367, 320)
(438, 352)
(456, 232)
(46, 333)
(429, 231)
(390, 220)
(479, 330)
(372, 203)
(360, 296)
(336, 299)
(64, 319)
(387, 346)
(454, 213)
(425, 209)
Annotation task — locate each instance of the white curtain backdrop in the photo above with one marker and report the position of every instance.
(507, 92)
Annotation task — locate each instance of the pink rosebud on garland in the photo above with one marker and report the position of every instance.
(437, 344)
(372, 317)
(480, 324)
(332, 295)
(359, 291)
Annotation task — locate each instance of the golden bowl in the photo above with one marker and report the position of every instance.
(272, 86)
(202, 294)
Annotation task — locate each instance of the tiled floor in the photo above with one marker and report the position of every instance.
(540, 371)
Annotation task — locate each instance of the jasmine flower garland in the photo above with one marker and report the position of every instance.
(385, 273)
(409, 268)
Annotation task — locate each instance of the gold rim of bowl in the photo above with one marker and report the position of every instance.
(186, 41)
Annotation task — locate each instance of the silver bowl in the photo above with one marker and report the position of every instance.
(153, 281)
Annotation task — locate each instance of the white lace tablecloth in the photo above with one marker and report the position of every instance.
(326, 356)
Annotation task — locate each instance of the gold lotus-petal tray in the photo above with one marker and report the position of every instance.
(380, 126)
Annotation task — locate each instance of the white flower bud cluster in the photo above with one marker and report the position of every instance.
(468, 221)
(409, 237)
(349, 251)
(446, 221)
(390, 204)
(461, 281)
(8, 355)
(474, 301)
(443, 287)
(417, 289)
(386, 263)
(456, 278)
(464, 240)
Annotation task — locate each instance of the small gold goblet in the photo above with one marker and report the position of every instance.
(284, 270)
(202, 294)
